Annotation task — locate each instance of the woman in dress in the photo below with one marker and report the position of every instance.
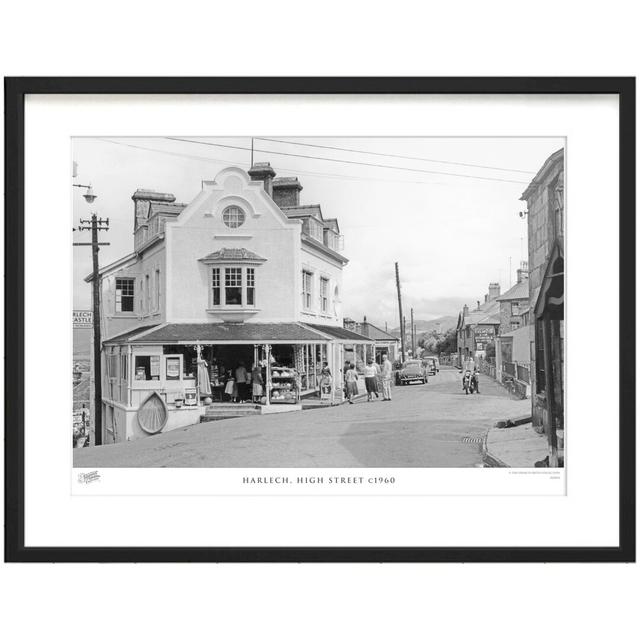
(370, 373)
(351, 383)
(257, 382)
(231, 388)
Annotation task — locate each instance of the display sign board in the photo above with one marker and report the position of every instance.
(82, 319)
(325, 392)
(173, 368)
(484, 333)
(190, 397)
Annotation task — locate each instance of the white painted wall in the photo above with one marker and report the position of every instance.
(312, 260)
(115, 323)
(198, 232)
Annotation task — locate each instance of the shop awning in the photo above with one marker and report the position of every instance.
(128, 336)
(340, 334)
(225, 333)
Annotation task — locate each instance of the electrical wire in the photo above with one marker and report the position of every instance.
(392, 155)
(351, 162)
(334, 176)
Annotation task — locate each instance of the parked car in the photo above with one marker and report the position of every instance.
(432, 364)
(412, 371)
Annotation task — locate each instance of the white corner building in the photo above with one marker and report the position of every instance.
(243, 274)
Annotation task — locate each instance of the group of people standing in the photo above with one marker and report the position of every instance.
(376, 378)
(244, 385)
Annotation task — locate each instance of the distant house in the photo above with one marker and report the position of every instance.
(478, 328)
(383, 342)
(513, 301)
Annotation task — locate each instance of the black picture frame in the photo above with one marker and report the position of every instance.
(15, 91)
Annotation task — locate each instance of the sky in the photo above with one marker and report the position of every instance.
(446, 211)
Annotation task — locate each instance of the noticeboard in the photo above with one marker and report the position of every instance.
(173, 368)
(82, 319)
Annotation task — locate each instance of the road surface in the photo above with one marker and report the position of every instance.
(433, 425)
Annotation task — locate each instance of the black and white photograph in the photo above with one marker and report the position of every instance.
(318, 302)
(357, 315)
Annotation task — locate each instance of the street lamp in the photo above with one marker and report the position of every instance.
(89, 196)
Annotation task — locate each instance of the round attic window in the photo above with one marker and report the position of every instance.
(233, 217)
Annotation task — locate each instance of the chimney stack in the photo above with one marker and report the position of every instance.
(523, 272)
(142, 200)
(478, 303)
(494, 290)
(262, 171)
(486, 297)
(465, 310)
(286, 192)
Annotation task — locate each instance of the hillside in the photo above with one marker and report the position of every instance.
(426, 326)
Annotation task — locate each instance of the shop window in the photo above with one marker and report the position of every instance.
(251, 286)
(233, 285)
(124, 294)
(233, 217)
(541, 376)
(112, 365)
(307, 286)
(147, 367)
(324, 295)
(172, 367)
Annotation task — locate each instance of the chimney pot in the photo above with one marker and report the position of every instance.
(263, 172)
(286, 191)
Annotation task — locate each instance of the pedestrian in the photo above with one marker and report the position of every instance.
(351, 382)
(387, 374)
(231, 388)
(476, 379)
(257, 382)
(370, 372)
(241, 381)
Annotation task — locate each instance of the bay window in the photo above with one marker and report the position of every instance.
(233, 286)
(251, 286)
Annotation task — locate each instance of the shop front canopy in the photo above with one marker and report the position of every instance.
(224, 333)
(340, 334)
(238, 333)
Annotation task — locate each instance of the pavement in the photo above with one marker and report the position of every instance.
(518, 446)
(432, 425)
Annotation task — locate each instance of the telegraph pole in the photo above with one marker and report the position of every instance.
(402, 336)
(413, 336)
(94, 225)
